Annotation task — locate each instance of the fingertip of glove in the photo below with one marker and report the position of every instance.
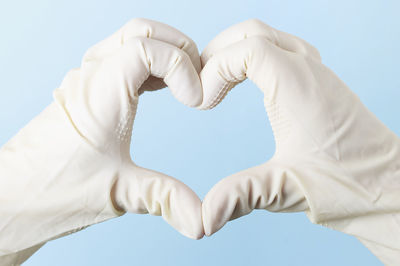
(195, 235)
(199, 235)
(207, 227)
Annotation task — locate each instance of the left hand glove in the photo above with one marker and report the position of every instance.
(70, 167)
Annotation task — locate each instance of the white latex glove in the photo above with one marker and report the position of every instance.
(334, 159)
(70, 167)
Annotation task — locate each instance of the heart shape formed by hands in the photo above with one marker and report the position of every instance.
(334, 159)
(316, 121)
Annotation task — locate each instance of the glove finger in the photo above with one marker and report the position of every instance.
(255, 27)
(140, 190)
(140, 27)
(266, 186)
(235, 63)
(141, 57)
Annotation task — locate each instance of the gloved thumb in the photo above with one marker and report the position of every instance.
(140, 190)
(266, 186)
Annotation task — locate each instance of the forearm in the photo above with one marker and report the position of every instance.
(17, 258)
(44, 174)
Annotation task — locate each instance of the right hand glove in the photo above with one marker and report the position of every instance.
(334, 159)
(70, 167)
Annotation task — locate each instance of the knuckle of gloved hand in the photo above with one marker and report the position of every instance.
(177, 58)
(180, 57)
(258, 43)
(121, 60)
(135, 41)
(255, 25)
(186, 44)
(139, 23)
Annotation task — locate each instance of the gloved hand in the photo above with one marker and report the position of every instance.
(334, 159)
(70, 167)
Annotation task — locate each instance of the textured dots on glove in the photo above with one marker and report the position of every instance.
(279, 120)
(124, 127)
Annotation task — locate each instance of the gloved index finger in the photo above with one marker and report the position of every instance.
(255, 27)
(142, 57)
(274, 70)
(140, 27)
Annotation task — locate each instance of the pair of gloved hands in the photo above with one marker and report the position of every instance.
(71, 167)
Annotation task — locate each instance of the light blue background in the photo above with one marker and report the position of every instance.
(41, 40)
